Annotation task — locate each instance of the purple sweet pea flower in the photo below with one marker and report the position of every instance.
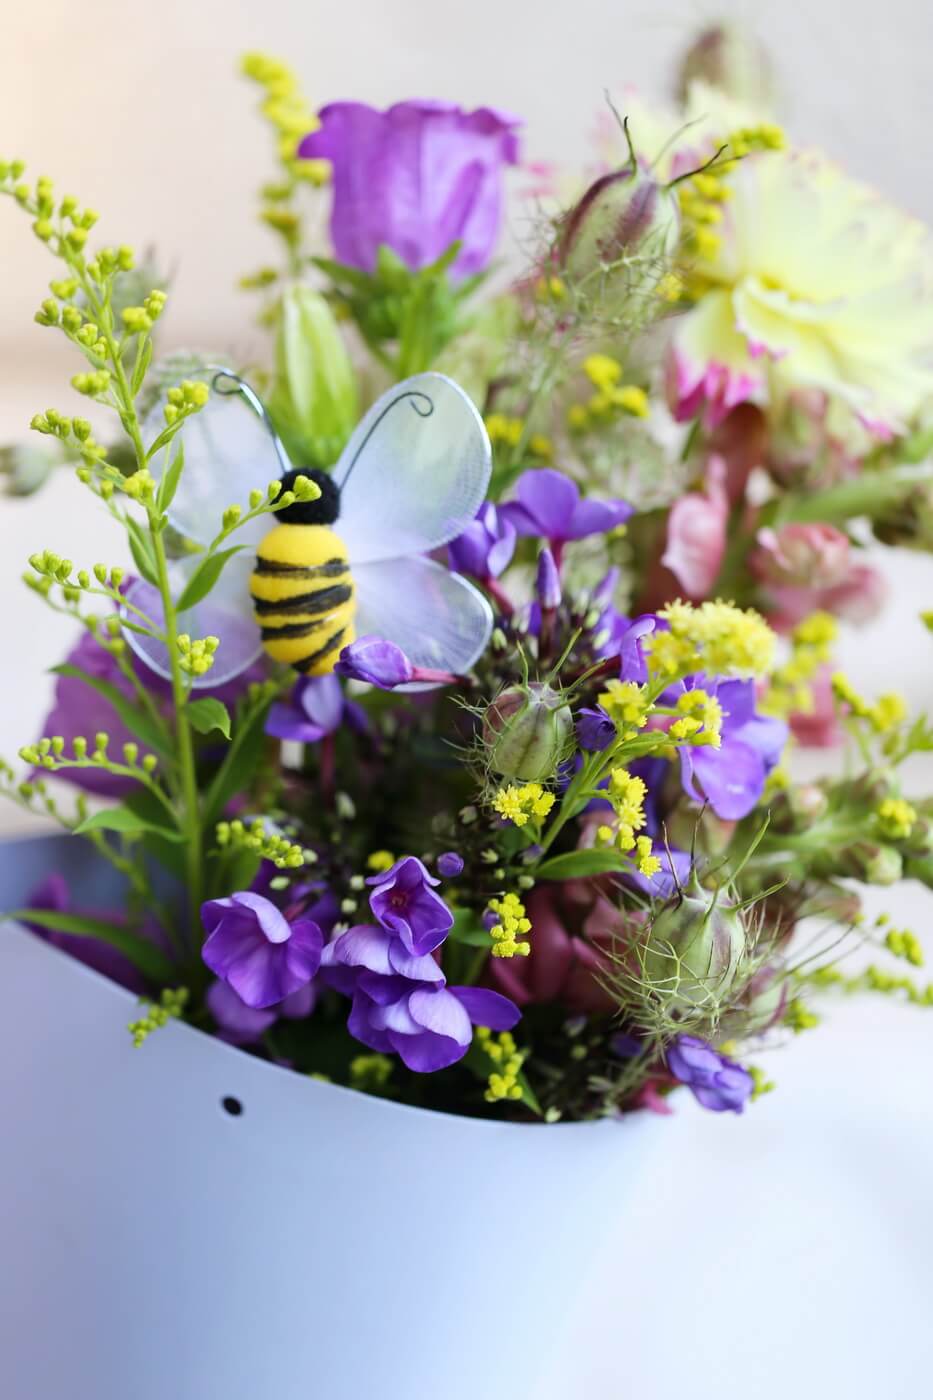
(404, 903)
(254, 947)
(416, 178)
(370, 957)
(315, 708)
(716, 1082)
(732, 777)
(595, 730)
(240, 1024)
(449, 864)
(485, 547)
(549, 505)
(375, 661)
(429, 1028)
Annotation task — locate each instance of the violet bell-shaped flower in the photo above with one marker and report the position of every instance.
(415, 178)
(253, 946)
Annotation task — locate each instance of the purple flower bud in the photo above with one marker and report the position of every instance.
(595, 730)
(449, 864)
(717, 1083)
(547, 581)
(376, 661)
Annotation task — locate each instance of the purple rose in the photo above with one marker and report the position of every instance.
(253, 946)
(375, 661)
(316, 707)
(405, 904)
(549, 505)
(732, 777)
(416, 178)
(485, 547)
(716, 1082)
(429, 1028)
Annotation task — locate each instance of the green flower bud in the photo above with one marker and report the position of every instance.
(725, 57)
(620, 214)
(694, 950)
(528, 731)
(874, 863)
(314, 395)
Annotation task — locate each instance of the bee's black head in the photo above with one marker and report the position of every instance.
(323, 511)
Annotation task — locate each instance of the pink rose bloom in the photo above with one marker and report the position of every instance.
(696, 534)
(802, 555)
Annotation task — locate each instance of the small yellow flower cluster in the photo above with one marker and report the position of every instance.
(791, 685)
(284, 854)
(703, 195)
(512, 922)
(288, 113)
(647, 863)
(197, 657)
(171, 1004)
(895, 818)
(502, 1050)
(550, 288)
(627, 795)
(370, 1073)
(518, 804)
(715, 637)
(701, 724)
(186, 397)
(611, 397)
(905, 944)
(140, 486)
(888, 712)
(380, 861)
(627, 705)
(503, 430)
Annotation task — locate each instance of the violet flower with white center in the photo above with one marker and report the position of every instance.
(715, 1081)
(315, 708)
(253, 946)
(404, 902)
(429, 1028)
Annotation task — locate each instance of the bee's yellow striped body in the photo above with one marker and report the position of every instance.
(302, 595)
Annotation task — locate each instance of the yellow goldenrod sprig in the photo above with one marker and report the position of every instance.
(503, 1081)
(521, 804)
(511, 926)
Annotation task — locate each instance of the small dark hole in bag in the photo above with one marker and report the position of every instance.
(231, 1105)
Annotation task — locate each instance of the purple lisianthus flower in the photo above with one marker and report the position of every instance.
(415, 178)
(548, 504)
(253, 946)
(429, 1028)
(449, 864)
(375, 661)
(716, 1082)
(485, 547)
(732, 777)
(371, 957)
(595, 730)
(316, 707)
(240, 1024)
(404, 903)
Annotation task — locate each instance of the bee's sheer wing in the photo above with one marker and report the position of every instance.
(415, 471)
(439, 620)
(229, 452)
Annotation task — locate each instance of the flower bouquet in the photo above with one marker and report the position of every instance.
(442, 719)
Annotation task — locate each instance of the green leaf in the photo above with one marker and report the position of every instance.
(141, 550)
(204, 577)
(135, 718)
(150, 960)
(239, 764)
(207, 714)
(342, 273)
(126, 821)
(169, 483)
(577, 865)
(468, 929)
(141, 367)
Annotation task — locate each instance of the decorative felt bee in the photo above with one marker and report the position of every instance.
(350, 563)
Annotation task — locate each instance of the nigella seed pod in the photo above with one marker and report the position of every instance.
(694, 951)
(527, 731)
(727, 58)
(621, 213)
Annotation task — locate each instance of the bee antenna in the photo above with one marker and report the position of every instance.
(238, 385)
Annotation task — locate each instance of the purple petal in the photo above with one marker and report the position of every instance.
(549, 498)
(486, 1008)
(442, 1013)
(426, 1053)
(596, 518)
(732, 778)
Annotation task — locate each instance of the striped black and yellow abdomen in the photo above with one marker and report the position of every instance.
(302, 596)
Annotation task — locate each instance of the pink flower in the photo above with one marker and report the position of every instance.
(696, 534)
(818, 728)
(857, 598)
(802, 555)
(712, 389)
